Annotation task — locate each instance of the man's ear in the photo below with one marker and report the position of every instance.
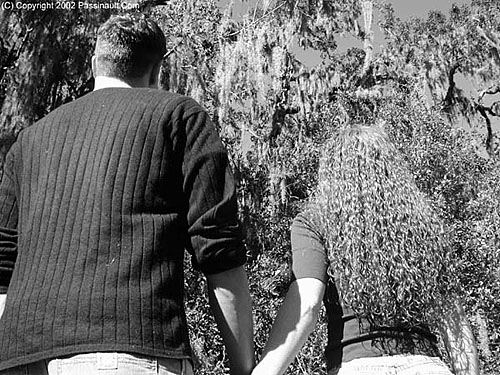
(154, 78)
(94, 66)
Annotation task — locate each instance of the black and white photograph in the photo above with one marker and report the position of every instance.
(250, 187)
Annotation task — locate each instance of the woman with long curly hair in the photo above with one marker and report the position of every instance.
(370, 246)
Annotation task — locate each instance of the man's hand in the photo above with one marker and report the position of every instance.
(231, 305)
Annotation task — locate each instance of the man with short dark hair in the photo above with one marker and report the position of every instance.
(129, 48)
(98, 202)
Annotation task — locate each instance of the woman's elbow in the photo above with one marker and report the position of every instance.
(311, 296)
(310, 312)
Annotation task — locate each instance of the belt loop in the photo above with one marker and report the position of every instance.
(107, 361)
(53, 366)
(46, 366)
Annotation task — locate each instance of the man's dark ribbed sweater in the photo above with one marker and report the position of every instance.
(98, 201)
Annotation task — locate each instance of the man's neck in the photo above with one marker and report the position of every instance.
(102, 82)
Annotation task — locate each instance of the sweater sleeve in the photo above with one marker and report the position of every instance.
(308, 252)
(215, 237)
(8, 219)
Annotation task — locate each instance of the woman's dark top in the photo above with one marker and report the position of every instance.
(99, 201)
(348, 337)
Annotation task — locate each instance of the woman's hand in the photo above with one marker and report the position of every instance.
(296, 320)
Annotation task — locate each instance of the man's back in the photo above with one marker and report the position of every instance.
(112, 188)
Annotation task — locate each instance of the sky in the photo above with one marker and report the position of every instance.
(405, 9)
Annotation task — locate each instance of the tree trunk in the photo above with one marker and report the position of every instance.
(367, 10)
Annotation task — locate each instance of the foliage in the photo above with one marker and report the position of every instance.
(47, 63)
(480, 232)
(451, 168)
(192, 45)
(439, 48)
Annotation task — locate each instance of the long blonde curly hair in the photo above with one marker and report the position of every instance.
(386, 245)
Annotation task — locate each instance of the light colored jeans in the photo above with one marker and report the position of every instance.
(395, 365)
(105, 364)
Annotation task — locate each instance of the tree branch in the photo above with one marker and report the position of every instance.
(484, 111)
(492, 90)
(280, 111)
(256, 21)
(449, 98)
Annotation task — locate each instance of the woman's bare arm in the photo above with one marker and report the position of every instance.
(294, 323)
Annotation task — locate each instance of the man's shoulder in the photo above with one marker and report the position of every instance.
(147, 98)
(121, 100)
(175, 101)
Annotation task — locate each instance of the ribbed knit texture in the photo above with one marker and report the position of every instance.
(105, 193)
